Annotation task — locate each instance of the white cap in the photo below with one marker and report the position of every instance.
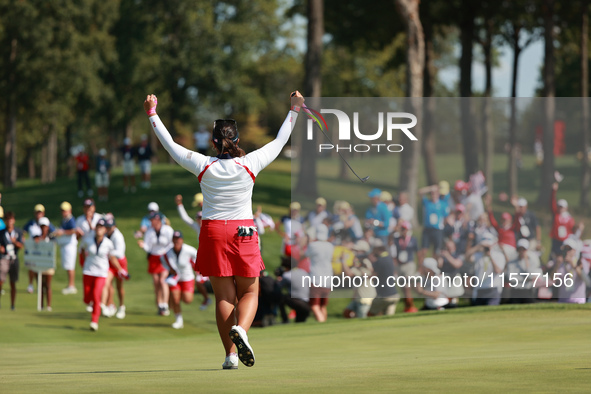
(153, 207)
(81, 148)
(522, 202)
(127, 141)
(562, 203)
(572, 243)
(43, 221)
(321, 232)
(431, 263)
(361, 246)
(102, 152)
(523, 243)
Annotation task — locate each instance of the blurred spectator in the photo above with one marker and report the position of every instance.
(67, 241)
(319, 214)
(202, 139)
(506, 230)
(346, 225)
(451, 262)
(269, 300)
(86, 223)
(406, 248)
(363, 295)
(2, 223)
(435, 210)
(320, 252)
(144, 157)
(146, 223)
(525, 268)
(387, 199)
(481, 228)
(386, 296)
(195, 224)
(33, 229)
(489, 263)
(377, 216)
(405, 211)
(11, 241)
(128, 153)
(433, 291)
(569, 265)
(289, 227)
(103, 171)
(459, 229)
(563, 224)
(47, 275)
(297, 295)
(82, 167)
(529, 228)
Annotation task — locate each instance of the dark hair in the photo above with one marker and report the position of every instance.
(225, 137)
(9, 215)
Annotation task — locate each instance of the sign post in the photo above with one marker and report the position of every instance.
(39, 257)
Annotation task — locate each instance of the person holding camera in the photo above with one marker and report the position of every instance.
(573, 273)
(489, 263)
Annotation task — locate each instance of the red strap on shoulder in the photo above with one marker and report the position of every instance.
(205, 169)
(247, 170)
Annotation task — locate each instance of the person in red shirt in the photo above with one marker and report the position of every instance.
(509, 225)
(563, 224)
(82, 167)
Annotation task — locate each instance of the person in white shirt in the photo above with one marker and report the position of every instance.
(317, 216)
(228, 244)
(320, 252)
(489, 262)
(180, 260)
(157, 241)
(99, 254)
(406, 211)
(66, 239)
(85, 223)
(108, 299)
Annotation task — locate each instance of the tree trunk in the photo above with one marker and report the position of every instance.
(52, 155)
(488, 141)
(306, 184)
(415, 65)
(45, 156)
(10, 172)
(468, 135)
(428, 140)
(31, 163)
(513, 119)
(585, 170)
(547, 175)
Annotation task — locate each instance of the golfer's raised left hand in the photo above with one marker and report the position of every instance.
(150, 102)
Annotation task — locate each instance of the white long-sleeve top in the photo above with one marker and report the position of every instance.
(187, 219)
(158, 243)
(119, 243)
(182, 263)
(97, 258)
(226, 183)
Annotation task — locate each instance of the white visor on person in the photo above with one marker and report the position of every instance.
(523, 243)
(488, 239)
(431, 264)
(153, 207)
(572, 243)
(562, 203)
(43, 222)
(522, 202)
(103, 152)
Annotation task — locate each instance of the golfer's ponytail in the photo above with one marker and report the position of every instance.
(225, 137)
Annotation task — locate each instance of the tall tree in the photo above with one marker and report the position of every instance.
(585, 169)
(467, 32)
(520, 24)
(415, 66)
(429, 73)
(306, 184)
(547, 174)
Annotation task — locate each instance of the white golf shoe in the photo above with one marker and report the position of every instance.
(240, 339)
(231, 362)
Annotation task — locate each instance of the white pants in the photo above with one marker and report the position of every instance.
(128, 167)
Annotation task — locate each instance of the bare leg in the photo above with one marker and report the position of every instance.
(247, 291)
(224, 289)
(203, 291)
(156, 282)
(71, 278)
(120, 291)
(187, 297)
(12, 293)
(163, 287)
(175, 301)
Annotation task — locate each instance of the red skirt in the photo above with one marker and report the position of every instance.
(223, 253)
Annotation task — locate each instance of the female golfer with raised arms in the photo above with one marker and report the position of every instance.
(228, 244)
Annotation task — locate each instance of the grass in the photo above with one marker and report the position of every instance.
(509, 348)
